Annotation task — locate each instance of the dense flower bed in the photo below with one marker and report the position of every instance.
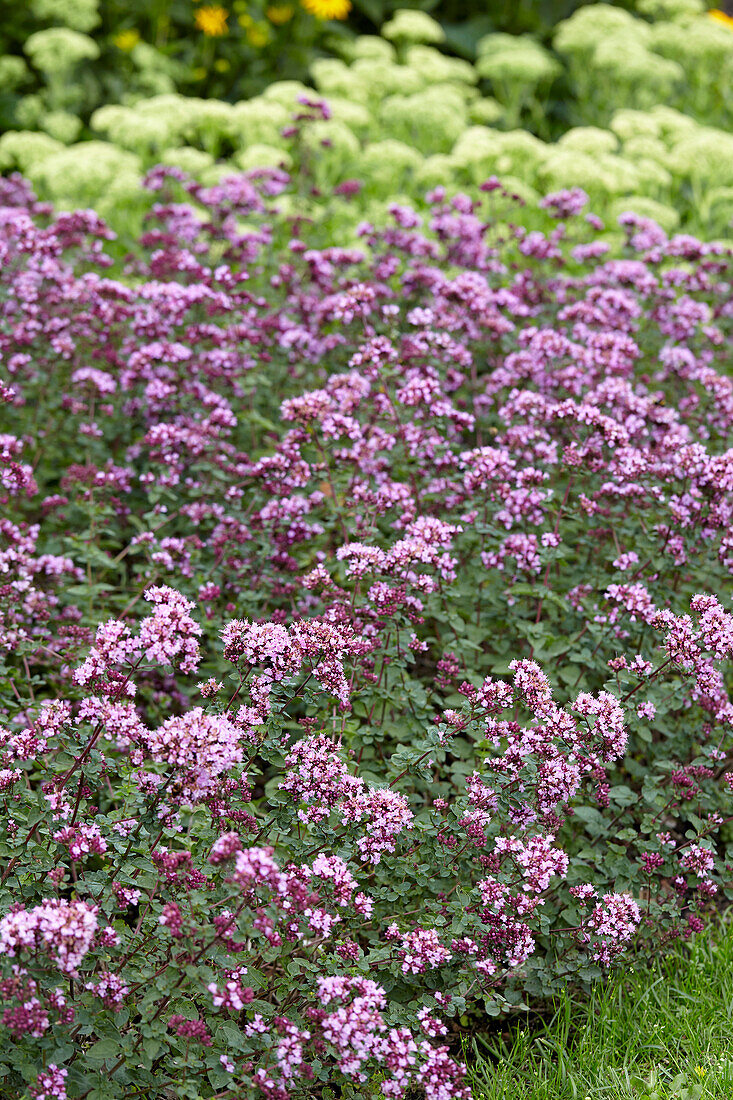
(636, 110)
(110, 51)
(366, 650)
(59, 59)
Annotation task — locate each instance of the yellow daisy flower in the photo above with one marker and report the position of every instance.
(721, 17)
(212, 20)
(127, 40)
(327, 9)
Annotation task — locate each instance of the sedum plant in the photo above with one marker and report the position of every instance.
(412, 27)
(660, 77)
(58, 50)
(78, 15)
(520, 72)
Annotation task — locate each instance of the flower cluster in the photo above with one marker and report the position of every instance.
(378, 626)
(65, 930)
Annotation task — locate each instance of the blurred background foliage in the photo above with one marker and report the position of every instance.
(64, 58)
(631, 102)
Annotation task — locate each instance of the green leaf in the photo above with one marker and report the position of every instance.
(102, 1050)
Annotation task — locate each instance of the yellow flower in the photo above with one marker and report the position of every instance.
(721, 17)
(327, 9)
(212, 21)
(127, 40)
(698, 1069)
(278, 16)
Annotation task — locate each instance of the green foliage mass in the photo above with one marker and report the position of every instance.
(633, 108)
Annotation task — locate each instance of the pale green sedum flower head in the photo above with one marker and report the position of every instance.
(485, 111)
(286, 92)
(260, 155)
(505, 58)
(700, 41)
(79, 15)
(61, 125)
(24, 148)
(484, 152)
(372, 46)
(431, 121)
(581, 34)
(193, 161)
(85, 171)
(704, 157)
(438, 171)
(592, 140)
(623, 58)
(681, 10)
(413, 26)
(600, 176)
(646, 147)
(356, 116)
(664, 123)
(435, 67)
(386, 164)
(13, 73)
(152, 125)
(334, 77)
(385, 78)
(93, 174)
(258, 121)
(57, 50)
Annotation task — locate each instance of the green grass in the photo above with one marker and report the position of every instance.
(660, 1034)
